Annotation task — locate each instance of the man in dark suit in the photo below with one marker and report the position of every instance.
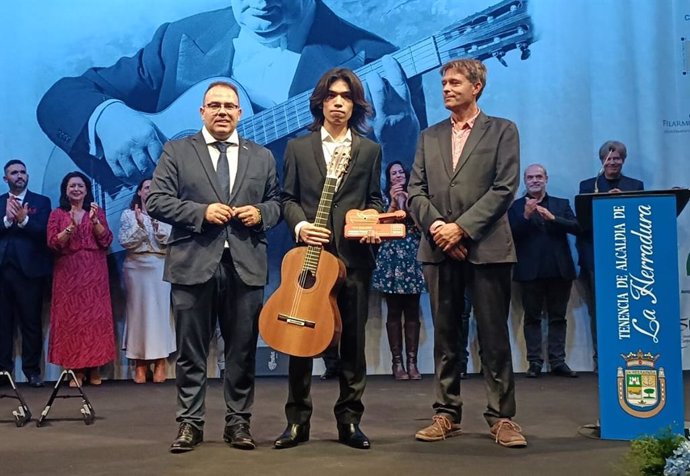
(610, 179)
(340, 110)
(464, 179)
(220, 193)
(25, 263)
(545, 270)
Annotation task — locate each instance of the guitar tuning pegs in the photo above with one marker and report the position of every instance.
(499, 56)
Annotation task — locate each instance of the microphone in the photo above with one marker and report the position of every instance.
(601, 170)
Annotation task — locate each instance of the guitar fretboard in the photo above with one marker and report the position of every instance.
(490, 33)
(311, 259)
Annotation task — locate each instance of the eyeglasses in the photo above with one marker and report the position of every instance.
(216, 106)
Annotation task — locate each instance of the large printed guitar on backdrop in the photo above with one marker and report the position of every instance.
(301, 317)
(493, 32)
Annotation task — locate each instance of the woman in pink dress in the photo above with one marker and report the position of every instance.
(82, 337)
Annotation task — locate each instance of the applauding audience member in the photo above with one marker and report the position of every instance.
(81, 321)
(398, 275)
(150, 333)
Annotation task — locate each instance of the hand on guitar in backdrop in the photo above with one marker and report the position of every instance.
(314, 235)
(131, 143)
(218, 213)
(395, 122)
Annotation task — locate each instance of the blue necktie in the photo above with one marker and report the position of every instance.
(223, 171)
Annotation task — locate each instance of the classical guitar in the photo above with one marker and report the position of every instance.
(301, 317)
(491, 33)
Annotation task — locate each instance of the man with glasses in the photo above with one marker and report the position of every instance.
(610, 179)
(221, 194)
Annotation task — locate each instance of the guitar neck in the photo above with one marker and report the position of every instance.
(323, 212)
(489, 33)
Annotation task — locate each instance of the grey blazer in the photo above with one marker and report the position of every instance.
(185, 183)
(476, 195)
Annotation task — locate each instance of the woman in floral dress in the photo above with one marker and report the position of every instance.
(398, 275)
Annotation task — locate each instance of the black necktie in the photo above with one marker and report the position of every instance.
(223, 170)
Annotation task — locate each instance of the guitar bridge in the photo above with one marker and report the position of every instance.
(296, 321)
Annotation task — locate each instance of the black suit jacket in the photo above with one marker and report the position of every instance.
(585, 241)
(536, 239)
(305, 175)
(30, 242)
(185, 183)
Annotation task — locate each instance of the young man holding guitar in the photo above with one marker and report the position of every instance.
(339, 108)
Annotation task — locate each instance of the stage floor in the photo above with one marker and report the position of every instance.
(135, 424)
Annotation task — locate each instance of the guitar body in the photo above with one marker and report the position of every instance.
(304, 320)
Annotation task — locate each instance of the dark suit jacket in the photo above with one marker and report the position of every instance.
(305, 175)
(476, 195)
(187, 51)
(185, 183)
(30, 242)
(585, 241)
(536, 239)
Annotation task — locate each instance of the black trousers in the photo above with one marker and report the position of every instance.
(21, 300)
(353, 302)
(490, 286)
(555, 293)
(235, 306)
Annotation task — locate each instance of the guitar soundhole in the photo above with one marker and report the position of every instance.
(307, 279)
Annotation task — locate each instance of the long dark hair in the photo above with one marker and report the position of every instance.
(387, 188)
(88, 198)
(136, 199)
(361, 108)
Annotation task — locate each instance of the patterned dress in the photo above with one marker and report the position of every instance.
(397, 269)
(81, 319)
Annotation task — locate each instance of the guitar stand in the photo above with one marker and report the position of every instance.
(22, 414)
(87, 412)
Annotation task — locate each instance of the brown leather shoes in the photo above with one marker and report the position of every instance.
(441, 428)
(508, 433)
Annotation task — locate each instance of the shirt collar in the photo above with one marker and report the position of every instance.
(234, 138)
(469, 124)
(21, 196)
(326, 137)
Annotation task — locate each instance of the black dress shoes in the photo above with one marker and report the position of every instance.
(351, 435)
(35, 380)
(563, 370)
(293, 435)
(534, 370)
(188, 437)
(238, 436)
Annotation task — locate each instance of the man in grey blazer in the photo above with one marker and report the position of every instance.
(464, 178)
(220, 193)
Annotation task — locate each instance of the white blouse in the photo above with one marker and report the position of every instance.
(137, 239)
